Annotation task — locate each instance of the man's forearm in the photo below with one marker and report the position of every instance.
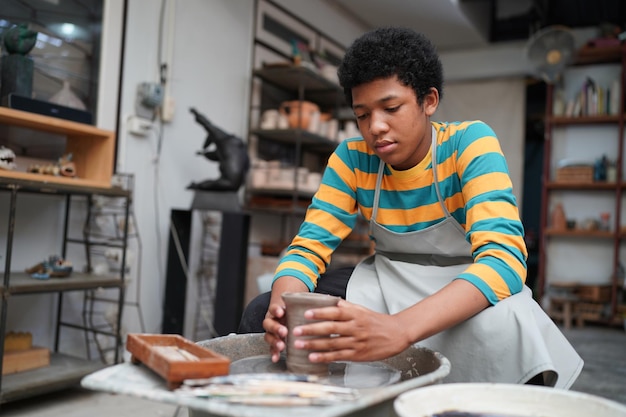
(453, 304)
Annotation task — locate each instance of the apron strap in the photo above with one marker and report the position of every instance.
(435, 178)
(379, 180)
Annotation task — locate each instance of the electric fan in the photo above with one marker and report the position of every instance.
(550, 50)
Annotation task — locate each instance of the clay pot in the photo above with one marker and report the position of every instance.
(299, 113)
(296, 303)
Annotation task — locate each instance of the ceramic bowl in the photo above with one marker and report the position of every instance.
(478, 399)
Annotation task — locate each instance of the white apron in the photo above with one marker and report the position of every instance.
(509, 342)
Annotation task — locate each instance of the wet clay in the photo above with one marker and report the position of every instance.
(342, 374)
(296, 304)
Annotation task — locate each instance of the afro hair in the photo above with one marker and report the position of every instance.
(392, 51)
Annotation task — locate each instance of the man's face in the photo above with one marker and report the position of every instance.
(391, 121)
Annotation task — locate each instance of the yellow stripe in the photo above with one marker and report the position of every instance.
(336, 197)
(298, 267)
(491, 278)
(476, 149)
(509, 259)
(338, 165)
(405, 217)
(359, 145)
(483, 238)
(314, 245)
(365, 179)
(490, 209)
(447, 168)
(425, 179)
(329, 222)
(454, 129)
(486, 183)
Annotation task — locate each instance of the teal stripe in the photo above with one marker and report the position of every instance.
(366, 162)
(505, 196)
(297, 274)
(517, 254)
(297, 258)
(513, 280)
(390, 199)
(488, 163)
(332, 179)
(412, 227)
(481, 285)
(320, 234)
(499, 225)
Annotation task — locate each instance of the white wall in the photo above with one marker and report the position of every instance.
(210, 69)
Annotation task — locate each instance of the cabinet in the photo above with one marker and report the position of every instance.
(580, 260)
(93, 150)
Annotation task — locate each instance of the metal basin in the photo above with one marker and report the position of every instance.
(417, 366)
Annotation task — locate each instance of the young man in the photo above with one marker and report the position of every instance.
(450, 261)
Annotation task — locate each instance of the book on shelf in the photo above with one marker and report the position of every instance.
(594, 99)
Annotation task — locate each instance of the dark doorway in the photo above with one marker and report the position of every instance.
(533, 169)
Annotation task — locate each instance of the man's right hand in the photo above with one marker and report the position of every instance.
(274, 322)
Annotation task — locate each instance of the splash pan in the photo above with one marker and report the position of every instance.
(413, 368)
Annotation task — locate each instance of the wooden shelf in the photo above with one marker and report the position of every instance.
(588, 55)
(273, 204)
(582, 186)
(63, 372)
(600, 234)
(581, 120)
(22, 283)
(92, 149)
(293, 78)
(40, 184)
(307, 139)
(302, 80)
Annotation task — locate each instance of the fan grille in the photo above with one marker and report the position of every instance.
(550, 50)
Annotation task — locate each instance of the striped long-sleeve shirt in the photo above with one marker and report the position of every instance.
(475, 185)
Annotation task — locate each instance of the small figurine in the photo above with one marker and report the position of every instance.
(64, 167)
(7, 158)
(231, 153)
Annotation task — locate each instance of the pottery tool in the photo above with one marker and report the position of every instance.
(269, 390)
(246, 378)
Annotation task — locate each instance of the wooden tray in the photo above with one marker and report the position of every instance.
(175, 358)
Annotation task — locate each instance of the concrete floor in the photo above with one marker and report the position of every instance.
(604, 375)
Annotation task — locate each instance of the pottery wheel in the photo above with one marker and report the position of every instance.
(344, 374)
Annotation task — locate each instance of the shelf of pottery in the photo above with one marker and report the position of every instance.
(314, 129)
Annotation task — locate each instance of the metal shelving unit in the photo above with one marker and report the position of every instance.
(64, 370)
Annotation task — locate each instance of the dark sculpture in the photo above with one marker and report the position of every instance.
(16, 67)
(231, 153)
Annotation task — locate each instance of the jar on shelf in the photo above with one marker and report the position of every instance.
(558, 219)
